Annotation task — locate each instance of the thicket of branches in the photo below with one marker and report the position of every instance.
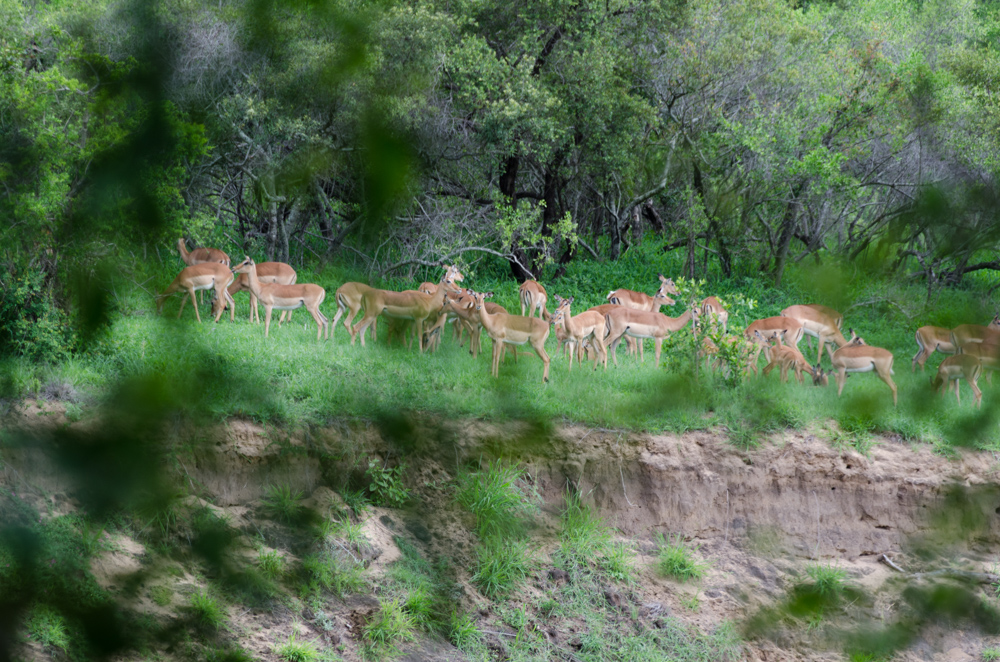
(745, 134)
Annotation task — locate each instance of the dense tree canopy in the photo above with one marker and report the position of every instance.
(746, 134)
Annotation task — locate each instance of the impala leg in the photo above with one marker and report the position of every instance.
(318, 316)
(196, 315)
(975, 391)
(658, 346)
(958, 398)
(885, 375)
(769, 367)
(841, 378)
(784, 373)
(361, 327)
(254, 317)
(232, 305)
(267, 320)
(602, 351)
(539, 348)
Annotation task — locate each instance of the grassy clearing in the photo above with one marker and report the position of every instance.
(229, 369)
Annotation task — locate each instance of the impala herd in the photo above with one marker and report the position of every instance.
(632, 316)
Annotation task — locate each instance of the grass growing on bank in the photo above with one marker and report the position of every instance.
(229, 369)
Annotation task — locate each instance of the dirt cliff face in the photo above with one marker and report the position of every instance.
(757, 518)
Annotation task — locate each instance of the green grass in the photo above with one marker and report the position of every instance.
(161, 595)
(501, 566)
(48, 627)
(281, 503)
(498, 496)
(229, 369)
(827, 579)
(462, 631)
(207, 611)
(271, 565)
(991, 654)
(388, 628)
(295, 650)
(677, 560)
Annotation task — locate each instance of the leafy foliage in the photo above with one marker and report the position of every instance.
(387, 486)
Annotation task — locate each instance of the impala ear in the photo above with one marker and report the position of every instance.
(488, 295)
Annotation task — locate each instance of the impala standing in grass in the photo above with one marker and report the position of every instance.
(931, 339)
(967, 333)
(785, 357)
(534, 297)
(201, 255)
(953, 369)
(787, 329)
(819, 322)
(206, 276)
(275, 296)
(988, 355)
(640, 324)
(409, 305)
(512, 330)
(267, 272)
(857, 356)
(586, 325)
(712, 312)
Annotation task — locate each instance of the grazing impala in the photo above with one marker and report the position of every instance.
(929, 339)
(349, 298)
(976, 333)
(784, 357)
(586, 325)
(267, 272)
(275, 296)
(856, 356)
(205, 276)
(409, 305)
(641, 324)
(534, 297)
(988, 355)
(787, 329)
(954, 368)
(512, 330)
(818, 323)
(712, 311)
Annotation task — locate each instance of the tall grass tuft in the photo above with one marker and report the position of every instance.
(677, 560)
(501, 566)
(496, 497)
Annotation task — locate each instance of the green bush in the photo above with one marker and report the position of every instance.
(676, 560)
(387, 486)
(828, 580)
(495, 496)
(47, 627)
(501, 566)
(271, 565)
(297, 651)
(281, 503)
(207, 611)
(389, 627)
(30, 323)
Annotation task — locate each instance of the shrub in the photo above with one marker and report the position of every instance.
(584, 537)
(387, 485)
(501, 566)
(828, 580)
(676, 560)
(282, 504)
(388, 628)
(30, 324)
(495, 497)
(271, 564)
(462, 631)
(206, 611)
(47, 627)
(297, 651)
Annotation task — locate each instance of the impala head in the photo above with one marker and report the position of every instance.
(855, 339)
(667, 286)
(452, 274)
(244, 266)
(996, 322)
(820, 376)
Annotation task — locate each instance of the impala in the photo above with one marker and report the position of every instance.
(929, 339)
(856, 356)
(205, 276)
(641, 324)
(581, 327)
(641, 301)
(349, 298)
(712, 310)
(409, 305)
(201, 255)
(954, 368)
(988, 355)
(818, 322)
(275, 296)
(533, 297)
(785, 357)
(512, 330)
(976, 333)
(462, 307)
(634, 347)
(453, 275)
(267, 272)
(787, 329)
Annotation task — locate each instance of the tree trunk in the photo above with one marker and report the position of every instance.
(788, 223)
(508, 183)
